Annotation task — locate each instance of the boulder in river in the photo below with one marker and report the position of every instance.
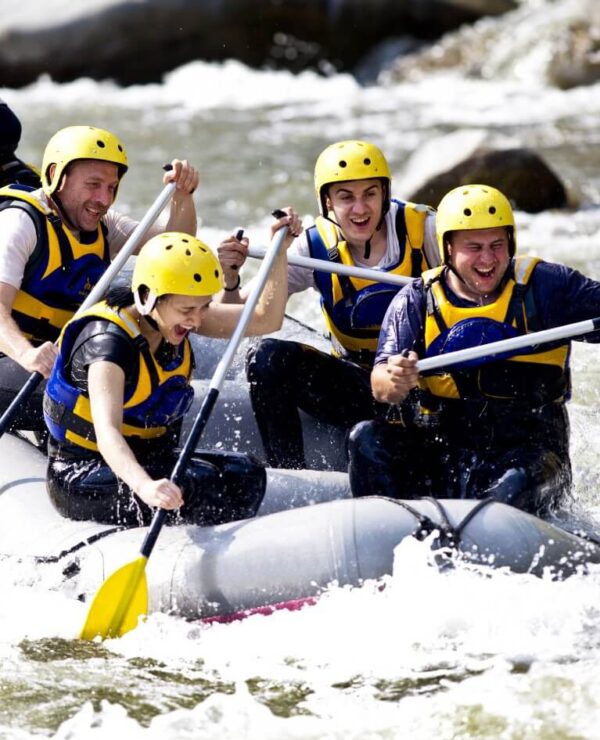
(137, 42)
(521, 174)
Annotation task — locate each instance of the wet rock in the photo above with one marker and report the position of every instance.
(137, 42)
(577, 59)
(557, 43)
(519, 173)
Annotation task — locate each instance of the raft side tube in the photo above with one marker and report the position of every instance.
(296, 554)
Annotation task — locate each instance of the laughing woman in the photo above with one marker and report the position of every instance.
(120, 387)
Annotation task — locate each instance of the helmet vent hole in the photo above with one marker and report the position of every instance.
(197, 278)
(216, 273)
(202, 249)
(169, 246)
(492, 210)
(343, 163)
(101, 144)
(467, 212)
(367, 161)
(188, 253)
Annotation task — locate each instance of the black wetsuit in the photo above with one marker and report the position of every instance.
(286, 377)
(515, 450)
(217, 487)
(14, 171)
(29, 417)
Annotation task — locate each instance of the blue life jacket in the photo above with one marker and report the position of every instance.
(60, 273)
(354, 308)
(158, 399)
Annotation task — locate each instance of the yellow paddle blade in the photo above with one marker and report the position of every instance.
(120, 602)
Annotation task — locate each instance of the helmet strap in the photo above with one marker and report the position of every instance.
(149, 320)
(454, 272)
(55, 199)
(379, 226)
(147, 306)
(367, 252)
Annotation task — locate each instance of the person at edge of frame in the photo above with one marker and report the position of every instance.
(12, 169)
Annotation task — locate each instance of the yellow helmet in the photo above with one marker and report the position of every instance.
(178, 263)
(351, 160)
(80, 142)
(473, 207)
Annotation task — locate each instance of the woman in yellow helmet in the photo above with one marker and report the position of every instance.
(117, 394)
(496, 428)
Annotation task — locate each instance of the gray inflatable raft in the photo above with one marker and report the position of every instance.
(308, 534)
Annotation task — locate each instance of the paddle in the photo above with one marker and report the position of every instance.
(491, 349)
(366, 273)
(123, 597)
(95, 294)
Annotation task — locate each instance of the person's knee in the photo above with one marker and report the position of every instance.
(89, 490)
(223, 487)
(270, 358)
(534, 482)
(511, 488)
(363, 440)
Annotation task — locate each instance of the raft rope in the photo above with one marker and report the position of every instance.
(312, 329)
(84, 543)
(448, 536)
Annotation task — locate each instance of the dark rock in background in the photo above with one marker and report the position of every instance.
(137, 42)
(520, 174)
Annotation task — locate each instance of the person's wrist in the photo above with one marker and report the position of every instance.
(235, 286)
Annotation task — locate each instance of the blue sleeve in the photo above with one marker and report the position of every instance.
(563, 296)
(403, 324)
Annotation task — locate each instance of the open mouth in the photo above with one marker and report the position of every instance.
(95, 212)
(486, 274)
(180, 331)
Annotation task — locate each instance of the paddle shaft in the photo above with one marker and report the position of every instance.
(215, 385)
(506, 345)
(95, 294)
(365, 273)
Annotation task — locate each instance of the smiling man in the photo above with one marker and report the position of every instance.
(56, 242)
(486, 429)
(360, 225)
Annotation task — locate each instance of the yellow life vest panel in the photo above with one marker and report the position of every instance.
(539, 373)
(60, 273)
(159, 397)
(354, 307)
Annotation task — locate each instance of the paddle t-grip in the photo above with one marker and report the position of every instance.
(238, 235)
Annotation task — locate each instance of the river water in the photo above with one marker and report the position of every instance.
(466, 654)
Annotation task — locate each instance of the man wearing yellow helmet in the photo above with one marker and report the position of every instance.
(482, 429)
(360, 225)
(120, 387)
(57, 241)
